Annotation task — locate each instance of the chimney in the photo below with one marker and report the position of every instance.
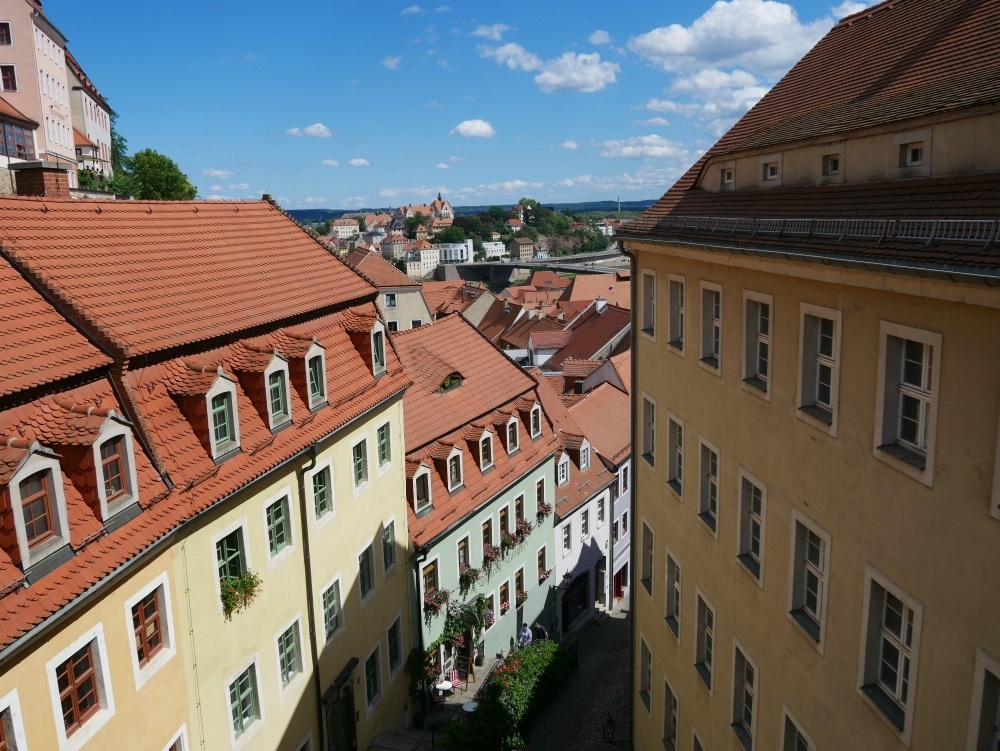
(600, 304)
(40, 178)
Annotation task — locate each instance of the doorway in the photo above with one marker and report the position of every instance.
(340, 722)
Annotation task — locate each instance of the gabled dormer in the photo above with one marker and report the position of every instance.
(419, 489)
(485, 444)
(113, 457)
(263, 374)
(562, 468)
(367, 334)
(506, 425)
(206, 395)
(306, 367)
(34, 505)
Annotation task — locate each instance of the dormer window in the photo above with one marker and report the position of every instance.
(451, 381)
(912, 153)
(38, 507)
(116, 480)
(276, 380)
(513, 436)
(486, 452)
(831, 164)
(224, 428)
(536, 421)
(585, 457)
(378, 351)
(727, 175)
(113, 468)
(562, 476)
(421, 491)
(316, 370)
(455, 471)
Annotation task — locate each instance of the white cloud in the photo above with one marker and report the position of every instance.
(330, 163)
(599, 37)
(569, 145)
(493, 31)
(240, 186)
(222, 174)
(569, 72)
(391, 62)
(316, 130)
(313, 200)
(660, 122)
(712, 78)
(215, 188)
(360, 163)
(762, 36)
(442, 165)
(412, 10)
(654, 146)
(457, 159)
(442, 9)
(849, 7)
(388, 193)
(473, 129)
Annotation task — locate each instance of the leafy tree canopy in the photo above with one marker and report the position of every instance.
(453, 234)
(160, 178)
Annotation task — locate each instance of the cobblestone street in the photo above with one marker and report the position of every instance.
(574, 720)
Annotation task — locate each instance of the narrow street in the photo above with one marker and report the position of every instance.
(574, 720)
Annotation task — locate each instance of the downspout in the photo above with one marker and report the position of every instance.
(310, 605)
(419, 556)
(634, 498)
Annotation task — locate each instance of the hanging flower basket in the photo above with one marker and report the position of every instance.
(544, 510)
(468, 578)
(435, 602)
(522, 597)
(238, 591)
(524, 528)
(544, 575)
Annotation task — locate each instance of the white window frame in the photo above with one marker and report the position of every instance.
(671, 713)
(703, 607)
(486, 436)
(143, 673)
(807, 408)
(536, 417)
(647, 305)
(677, 303)
(12, 705)
(180, 735)
(337, 579)
(984, 664)
(788, 718)
(278, 364)
(796, 579)
(38, 461)
(766, 176)
(366, 482)
(904, 142)
(753, 340)
(567, 536)
(223, 385)
(562, 471)
(102, 676)
(237, 524)
(710, 326)
(886, 434)
(304, 667)
(675, 458)
(365, 598)
(674, 597)
(276, 558)
(377, 369)
(387, 570)
(744, 554)
(871, 642)
(243, 738)
(385, 466)
(585, 524)
(648, 430)
(452, 488)
(828, 167)
(391, 301)
(516, 445)
(316, 350)
(705, 514)
(321, 521)
(585, 456)
(111, 430)
(741, 658)
(423, 470)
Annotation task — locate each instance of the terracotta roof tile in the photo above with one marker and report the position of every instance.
(501, 315)
(377, 270)
(516, 336)
(549, 339)
(451, 297)
(9, 111)
(575, 368)
(38, 345)
(623, 365)
(605, 416)
(222, 266)
(588, 287)
(591, 332)
(547, 280)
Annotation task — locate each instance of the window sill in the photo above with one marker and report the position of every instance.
(903, 454)
(711, 364)
(757, 386)
(644, 695)
(745, 739)
(317, 405)
(817, 413)
(750, 564)
(225, 452)
(705, 674)
(649, 333)
(457, 489)
(677, 488)
(892, 711)
(673, 625)
(808, 624)
(649, 459)
(677, 347)
(708, 520)
(647, 584)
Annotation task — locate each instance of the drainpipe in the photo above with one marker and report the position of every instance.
(634, 498)
(419, 556)
(310, 598)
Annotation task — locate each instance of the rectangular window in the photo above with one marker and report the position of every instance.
(37, 506)
(645, 674)
(366, 572)
(744, 699)
(831, 164)
(277, 393)
(463, 554)
(373, 683)
(567, 537)
(504, 521)
(147, 626)
(491, 609)
(600, 511)
(705, 647)
(332, 618)
(486, 452)
(542, 565)
(359, 455)
(911, 154)
(909, 368)
(539, 494)
(726, 175)
(711, 325)
(317, 380)
(504, 598)
(753, 497)
(390, 299)
(648, 310)
(222, 420)
(243, 703)
(388, 546)
(519, 508)
(676, 291)
(820, 367)
(563, 472)
(512, 437)
(585, 524)
(229, 554)
(416, 323)
(708, 509)
(646, 577)
(5, 37)
(519, 589)
(17, 141)
(810, 557)
(669, 718)
(487, 534)
(648, 430)
(794, 738)
(279, 533)
(584, 458)
(429, 577)
(113, 468)
(890, 648)
(673, 595)
(675, 449)
(322, 488)
(421, 492)
(984, 728)
(289, 654)
(536, 422)
(393, 326)
(615, 534)
(455, 472)
(78, 688)
(8, 78)
(378, 352)
(394, 640)
(382, 439)
(757, 344)
(770, 171)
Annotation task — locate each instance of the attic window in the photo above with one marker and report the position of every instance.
(454, 472)
(378, 352)
(116, 478)
(770, 171)
(421, 492)
(563, 470)
(585, 458)
(536, 421)
(513, 436)
(223, 426)
(911, 154)
(454, 380)
(486, 452)
(113, 468)
(38, 507)
(831, 164)
(727, 175)
(36, 497)
(316, 372)
(278, 410)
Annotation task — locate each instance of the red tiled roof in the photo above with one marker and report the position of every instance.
(591, 286)
(154, 275)
(575, 368)
(451, 297)
(80, 138)
(591, 332)
(377, 270)
(516, 337)
(547, 280)
(9, 111)
(623, 365)
(38, 345)
(549, 339)
(430, 354)
(500, 316)
(605, 416)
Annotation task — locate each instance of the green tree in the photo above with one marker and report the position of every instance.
(412, 222)
(450, 235)
(160, 179)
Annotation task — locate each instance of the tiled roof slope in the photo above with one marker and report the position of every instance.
(8, 110)
(38, 345)
(451, 297)
(430, 354)
(605, 416)
(896, 61)
(623, 366)
(207, 268)
(591, 286)
(501, 316)
(516, 336)
(378, 270)
(591, 332)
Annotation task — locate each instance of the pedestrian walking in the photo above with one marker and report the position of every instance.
(538, 632)
(525, 635)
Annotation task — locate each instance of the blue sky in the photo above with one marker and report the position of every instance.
(348, 104)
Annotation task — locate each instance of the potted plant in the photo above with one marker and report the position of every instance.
(435, 601)
(468, 578)
(544, 510)
(237, 592)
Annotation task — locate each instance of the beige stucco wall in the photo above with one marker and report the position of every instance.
(410, 306)
(938, 544)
